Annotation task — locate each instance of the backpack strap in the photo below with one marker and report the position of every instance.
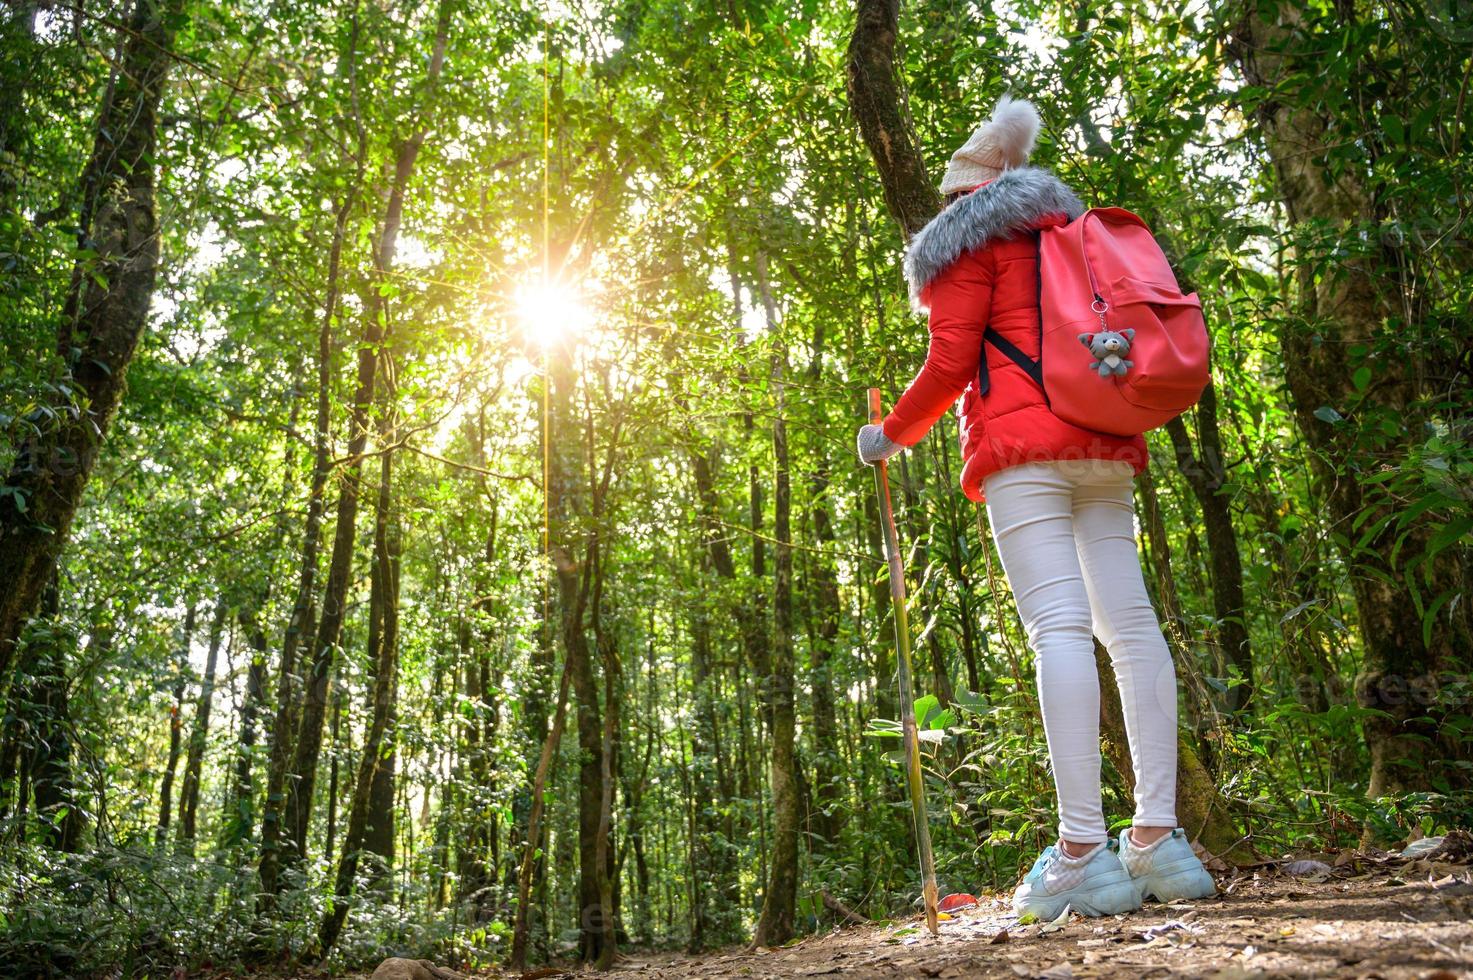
(1010, 350)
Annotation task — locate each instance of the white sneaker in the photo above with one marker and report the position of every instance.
(1095, 884)
(1167, 869)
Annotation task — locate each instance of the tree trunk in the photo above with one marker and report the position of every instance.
(1156, 552)
(521, 930)
(364, 818)
(48, 763)
(1206, 473)
(301, 623)
(378, 835)
(308, 742)
(590, 769)
(715, 887)
(573, 578)
(825, 604)
(525, 835)
(303, 611)
(1345, 317)
(779, 903)
(749, 612)
(307, 745)
(705, 844)
(607, 647)
(825, 607)
(176, 732)
(474, 776)
(240, 818)
(104, 316)
(336, 751)
(471, 781)
(603, 858)
(878, 98)
(199, 734)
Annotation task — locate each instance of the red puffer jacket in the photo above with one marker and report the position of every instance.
(976, 264)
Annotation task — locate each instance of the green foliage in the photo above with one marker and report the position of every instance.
(692, 172)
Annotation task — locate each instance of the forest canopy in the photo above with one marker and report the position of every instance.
(429, 518)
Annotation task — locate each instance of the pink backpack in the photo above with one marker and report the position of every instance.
(1122, 349)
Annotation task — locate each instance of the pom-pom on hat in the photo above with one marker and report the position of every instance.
(999, 144)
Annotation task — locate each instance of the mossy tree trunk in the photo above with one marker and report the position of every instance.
(103, 318)
(1362, 413)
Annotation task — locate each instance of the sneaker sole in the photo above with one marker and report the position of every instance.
(1114, 896)
(1184, 879)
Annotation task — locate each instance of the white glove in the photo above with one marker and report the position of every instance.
(875, 446)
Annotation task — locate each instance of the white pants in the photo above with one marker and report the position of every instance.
(1066, 533)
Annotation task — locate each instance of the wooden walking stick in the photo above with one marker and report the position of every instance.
(911, 745)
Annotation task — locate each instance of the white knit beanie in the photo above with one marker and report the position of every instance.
(1002, 142)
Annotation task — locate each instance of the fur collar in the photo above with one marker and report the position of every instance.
(1014, 201)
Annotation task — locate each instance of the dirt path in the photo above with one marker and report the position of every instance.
(1367, 918)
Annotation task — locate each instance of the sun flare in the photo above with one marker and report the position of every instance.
(550, 312)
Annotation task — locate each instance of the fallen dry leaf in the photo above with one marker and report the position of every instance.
(957, 901)
(1057, 924)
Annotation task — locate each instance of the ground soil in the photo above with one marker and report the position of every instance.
(1370, 916)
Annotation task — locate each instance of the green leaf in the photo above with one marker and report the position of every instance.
(1327, 414)
(1450, 533)
(1429, 618)
(883, 728)
(924, 707)
(1395, 133)
(1298, 609)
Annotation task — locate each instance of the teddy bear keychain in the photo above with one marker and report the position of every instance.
(1109, 348)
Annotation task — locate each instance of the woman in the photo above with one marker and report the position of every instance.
(1060, 505)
